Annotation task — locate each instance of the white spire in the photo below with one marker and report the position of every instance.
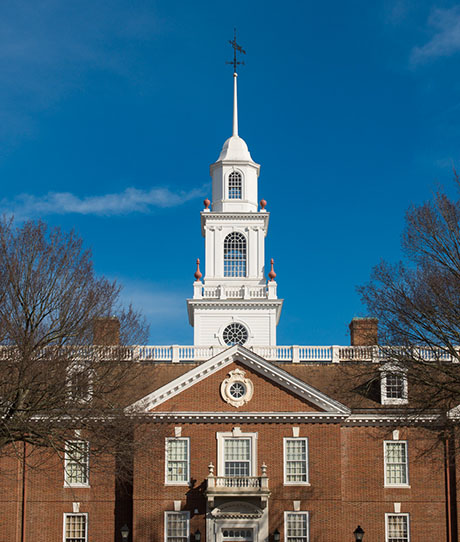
(235, 105)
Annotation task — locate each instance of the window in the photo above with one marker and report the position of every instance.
(235, 333)
(237, 457)
(75, 527)
(177, 526)
(76, 463)
(235, 255)
(234, 185)
(393, 385)
(177, 460)
(296, 526)
(296, 461)
(396, 472)
(397, 528)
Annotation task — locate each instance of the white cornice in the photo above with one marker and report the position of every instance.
(253, 362)
(233, 218)
(240, 304)
(370, 420)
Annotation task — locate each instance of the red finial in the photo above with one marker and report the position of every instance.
(207, 203)
(263, 204)
(272, 273)
(198, 273)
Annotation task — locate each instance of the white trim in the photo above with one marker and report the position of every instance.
(178, 483)
(303, 512)
(165, 522)
(387, 515)
(67, 460)
(251, 361)
(385, 444)
(66, 514)
(222, 436)
(307, 481)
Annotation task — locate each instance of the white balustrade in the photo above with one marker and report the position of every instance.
(191, 353)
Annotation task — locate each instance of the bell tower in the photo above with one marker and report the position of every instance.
(234, 304)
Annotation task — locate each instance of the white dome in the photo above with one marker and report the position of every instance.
(236, 149)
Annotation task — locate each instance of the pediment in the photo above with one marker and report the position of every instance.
(246, 361)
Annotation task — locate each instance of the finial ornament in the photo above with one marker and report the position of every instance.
(236, 48)
(206, 203)
(198, 273)
(272, 274)
(263, 204)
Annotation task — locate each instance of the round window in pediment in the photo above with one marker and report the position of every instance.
(235, 333)
(237, 390)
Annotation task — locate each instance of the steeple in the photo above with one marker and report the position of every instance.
(235, 104)
(234, 174)
(234, 302)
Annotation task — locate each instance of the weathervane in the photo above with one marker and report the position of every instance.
(236, 48)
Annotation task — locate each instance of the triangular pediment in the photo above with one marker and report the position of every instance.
(254, 364)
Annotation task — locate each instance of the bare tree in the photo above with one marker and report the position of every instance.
(53, 381)
(417, 303)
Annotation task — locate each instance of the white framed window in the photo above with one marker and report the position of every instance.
(75, 528)
(393, 385)
(235, 185)
(235, 255)
(396, 463)
(177, 464)
(177, 526)
(76, 463)
(296, 527)
(295, 461)
(237, 454)
(397, 528)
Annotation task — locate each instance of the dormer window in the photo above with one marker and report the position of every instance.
(393, 385)
(235, 185)
(235, 255)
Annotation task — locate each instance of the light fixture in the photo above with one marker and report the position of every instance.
(359, 533)
(197, 535)
(124, 532)
(276, 536)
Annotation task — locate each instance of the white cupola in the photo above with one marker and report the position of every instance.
(234, 174)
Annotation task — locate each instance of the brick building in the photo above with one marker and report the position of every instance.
(254, 442)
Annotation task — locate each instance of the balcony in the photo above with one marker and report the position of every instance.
(237, 486)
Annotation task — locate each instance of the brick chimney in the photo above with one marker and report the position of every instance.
(106, 331)
(363, 332)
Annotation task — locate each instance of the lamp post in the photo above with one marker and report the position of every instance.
(124, 532)
(276, 536)
(359, 533)
(197, 535)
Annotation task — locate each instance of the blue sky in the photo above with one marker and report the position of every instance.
(112, 111)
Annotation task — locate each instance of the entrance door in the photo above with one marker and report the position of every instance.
(237, 534)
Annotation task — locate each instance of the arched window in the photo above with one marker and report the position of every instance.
(235, 255)
(235, 183)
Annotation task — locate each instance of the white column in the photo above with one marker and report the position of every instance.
(260, 252)
(252, 252)
(209, 249)
(218, 253)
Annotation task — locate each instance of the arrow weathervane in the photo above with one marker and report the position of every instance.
(236, 48)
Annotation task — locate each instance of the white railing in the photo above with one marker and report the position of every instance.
(234, 292)
(293, 354)
(238, 481)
